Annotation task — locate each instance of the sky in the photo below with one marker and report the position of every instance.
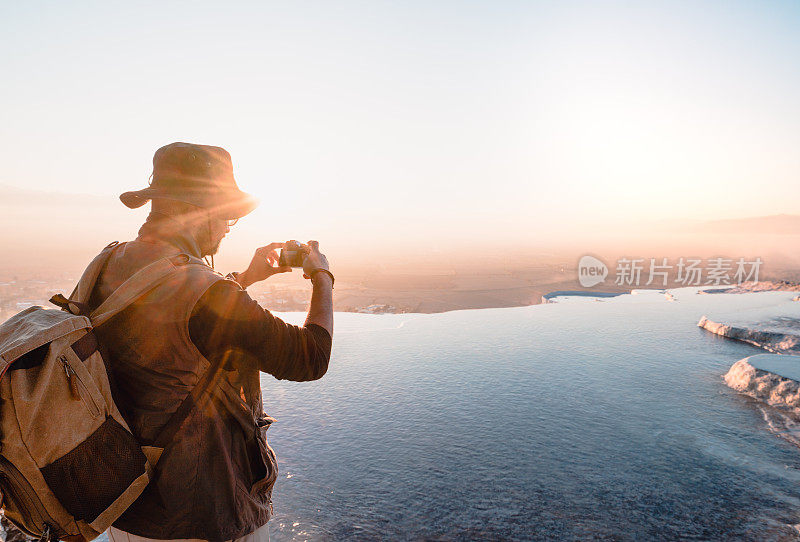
(373, 123)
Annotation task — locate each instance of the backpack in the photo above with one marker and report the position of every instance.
(69, 464)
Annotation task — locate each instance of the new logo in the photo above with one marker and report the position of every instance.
(591, 271)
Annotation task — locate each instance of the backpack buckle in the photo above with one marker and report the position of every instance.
(72, 307)
(46, 537)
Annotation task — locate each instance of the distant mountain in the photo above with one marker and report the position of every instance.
(773, 225)
(51, 229)
(12, 196)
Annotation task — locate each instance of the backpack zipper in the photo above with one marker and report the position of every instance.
(71, 378)
(77, 387)
(31, 506)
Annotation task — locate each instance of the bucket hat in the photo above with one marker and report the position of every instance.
(200, 175)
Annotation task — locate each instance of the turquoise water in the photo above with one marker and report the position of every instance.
(579, 420)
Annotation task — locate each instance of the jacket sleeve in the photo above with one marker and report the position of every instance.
(228, 322)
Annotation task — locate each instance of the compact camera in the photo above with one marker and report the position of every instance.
(292, 254)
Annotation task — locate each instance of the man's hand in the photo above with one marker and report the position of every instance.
(320, 312)
(314, 260)
(263, 265)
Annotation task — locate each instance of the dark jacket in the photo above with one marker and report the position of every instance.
(214, 481)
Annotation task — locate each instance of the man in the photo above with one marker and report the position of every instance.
(214, 480)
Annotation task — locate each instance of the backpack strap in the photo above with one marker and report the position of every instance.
(78, 300)
(138, 285)
(195, 398)
(142, 282)
(83, 290)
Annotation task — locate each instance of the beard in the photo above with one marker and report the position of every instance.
(209, 237)
(207, 245)
(211, 248)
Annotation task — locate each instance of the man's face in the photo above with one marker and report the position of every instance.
(212, 234)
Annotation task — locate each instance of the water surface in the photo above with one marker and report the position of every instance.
(606, 420)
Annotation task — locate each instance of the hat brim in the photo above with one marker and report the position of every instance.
(227, 205)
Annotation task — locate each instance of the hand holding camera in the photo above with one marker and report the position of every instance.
(266, 262)
(296, 254)
(263, 265)
(316, 263)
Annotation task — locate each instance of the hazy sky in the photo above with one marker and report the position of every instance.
(360, 121)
